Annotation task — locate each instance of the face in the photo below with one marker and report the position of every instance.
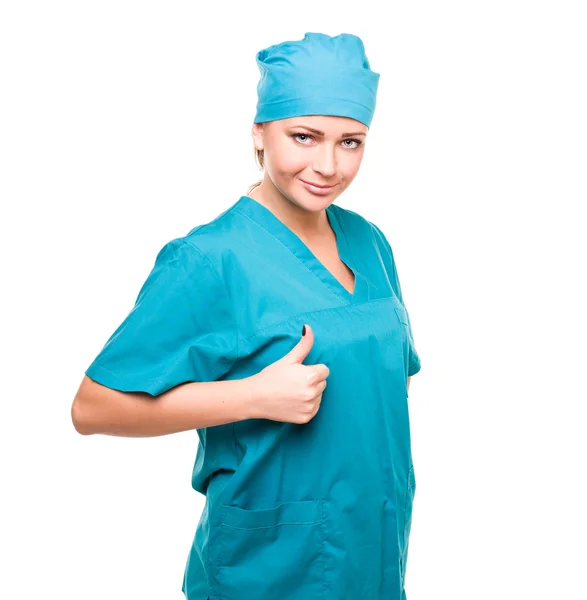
(315, 149)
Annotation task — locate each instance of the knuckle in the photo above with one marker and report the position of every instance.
(311, 377)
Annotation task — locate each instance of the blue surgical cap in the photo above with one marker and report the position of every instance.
(319, 75)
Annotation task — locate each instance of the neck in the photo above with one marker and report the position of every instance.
(303, 222)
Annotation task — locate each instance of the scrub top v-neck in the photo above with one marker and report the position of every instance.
(313, 511)
(275, 227)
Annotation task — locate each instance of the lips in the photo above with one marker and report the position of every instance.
(317, 184)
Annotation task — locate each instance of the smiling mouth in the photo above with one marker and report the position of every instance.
(317, 184)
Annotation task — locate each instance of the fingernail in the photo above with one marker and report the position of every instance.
(304, 330)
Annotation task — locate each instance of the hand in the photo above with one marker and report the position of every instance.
(287, 390)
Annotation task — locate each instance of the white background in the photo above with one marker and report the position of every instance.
(125, 124)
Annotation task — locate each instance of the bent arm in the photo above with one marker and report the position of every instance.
(99, 409)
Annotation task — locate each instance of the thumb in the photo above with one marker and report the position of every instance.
(302, 348)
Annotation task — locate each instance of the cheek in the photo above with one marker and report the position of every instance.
(349, 167)
(349, 170)
(289, 160)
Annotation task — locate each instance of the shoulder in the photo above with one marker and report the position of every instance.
(180, 273)
(203, 245)
(179, 254)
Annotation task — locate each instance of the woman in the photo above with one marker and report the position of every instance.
(279, 332)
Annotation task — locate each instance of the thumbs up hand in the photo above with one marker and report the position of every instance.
(287, 390)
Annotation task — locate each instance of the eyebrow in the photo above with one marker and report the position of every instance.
(317, 132)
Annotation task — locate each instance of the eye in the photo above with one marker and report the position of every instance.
(357, 142)
(297, 135)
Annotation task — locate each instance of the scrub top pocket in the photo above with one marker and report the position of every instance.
(274, 552)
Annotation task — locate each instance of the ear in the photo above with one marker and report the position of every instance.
(257, 135)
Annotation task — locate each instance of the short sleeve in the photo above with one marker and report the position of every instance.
(389, 261)
(181, 328)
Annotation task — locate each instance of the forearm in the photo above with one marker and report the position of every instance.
(98, 409)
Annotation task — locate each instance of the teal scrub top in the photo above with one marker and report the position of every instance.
(313, 511)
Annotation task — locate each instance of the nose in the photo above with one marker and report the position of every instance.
(325, 162)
